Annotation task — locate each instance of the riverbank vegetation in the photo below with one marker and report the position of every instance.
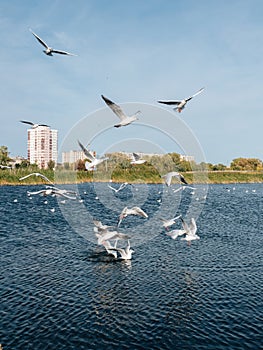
(119, 169)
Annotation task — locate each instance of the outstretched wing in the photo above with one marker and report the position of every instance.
(114, 107)
(39, 39)
(136, 156)
(26, 122)
(197, 93)
(140, 212)
(63, 52)
(87, 153)
(170, 102)
(36, 174)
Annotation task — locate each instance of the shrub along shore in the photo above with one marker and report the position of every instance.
(133, 175)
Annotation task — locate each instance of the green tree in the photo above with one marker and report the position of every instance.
(251, 164)
(51, 165)
(4, 155)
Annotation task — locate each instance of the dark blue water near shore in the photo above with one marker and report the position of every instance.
(60, 291)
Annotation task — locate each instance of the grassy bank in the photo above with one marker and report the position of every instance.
(132, 175)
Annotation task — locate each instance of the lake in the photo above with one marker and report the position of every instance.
(60, 290)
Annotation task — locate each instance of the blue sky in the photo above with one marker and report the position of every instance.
(135, 52)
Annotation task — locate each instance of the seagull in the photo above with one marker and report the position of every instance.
(169, 222)
(111, 249)
(133, 211)
(106, 235)
(99, 227)
(48, 50)
(36, 174)
(122, 186)
(125, 253)
(5, 166)
(51, 192)
(175, 233)
(136, 159)
(190, 230)
(182, 188)
(181, 104)
(124, 119)
(168, 178)
(34, 126)
(93, 161)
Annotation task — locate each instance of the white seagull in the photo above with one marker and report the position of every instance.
(190, 230)
(168, 178)
(48, 50)
(99, 227)
(36, 174)
(122, 186)
(93, 161)
(5, 166)
(136, 159)
(124, 119)
(181, 104)
(51, 192)
(175, 233)
(169, 222)
(33, 125)
(109, 235)
(110, 249)
(132, 211)
(125, 253)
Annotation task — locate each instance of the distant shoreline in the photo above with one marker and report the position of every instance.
(210, 177)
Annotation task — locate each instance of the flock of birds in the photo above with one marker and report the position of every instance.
(108, 236)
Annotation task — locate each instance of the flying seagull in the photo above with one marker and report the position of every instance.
(133, 211)
(36, 174)
(168, 178)
(169, 222)
(34, 126)
(116, 190)
(136, 159)
(48, 50)
(51, 192)
(124, 119)
(181, 104)
(93, 161)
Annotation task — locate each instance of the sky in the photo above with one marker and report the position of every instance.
(135, 53)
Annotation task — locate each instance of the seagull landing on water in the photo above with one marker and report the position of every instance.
(125, 253)
(190, 230)
(93, 161)
(136, 159)
(132, 211)
(181, 104)
(48, 50)
(124, 119)
(168, 178)
(33, 125)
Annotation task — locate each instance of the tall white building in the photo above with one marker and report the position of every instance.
(42, 146)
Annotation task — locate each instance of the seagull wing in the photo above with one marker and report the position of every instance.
(185, 226)
(115, 108)
(36, 192)
(44, 125)
(39, 39)
(112, 188)
(140, 212)
(193, 226)
(136, 156)
(63, 52)
(170, 102)
(167, 178)
(197, 93)
(87, 153)
(26, 122)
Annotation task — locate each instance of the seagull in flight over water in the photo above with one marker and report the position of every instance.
(36, 174)
(48, 50)
(168, 178)
(34, 126)
(93, 161)
(124, 119)
(132, 211)
(169, 222)
(181, 104)
(116, 190)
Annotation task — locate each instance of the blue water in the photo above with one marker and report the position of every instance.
(59, 290)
